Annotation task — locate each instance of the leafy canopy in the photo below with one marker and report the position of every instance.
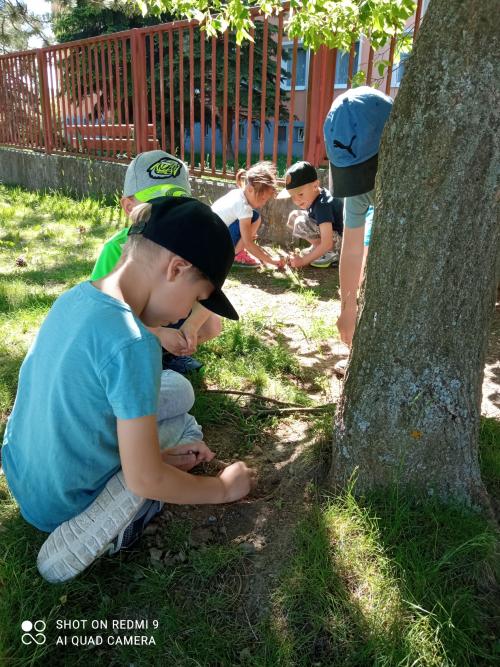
(18, 24)
(334, 23)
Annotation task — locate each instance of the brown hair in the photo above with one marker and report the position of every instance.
(261, 176)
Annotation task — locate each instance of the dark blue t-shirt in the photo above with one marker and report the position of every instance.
(326, 208)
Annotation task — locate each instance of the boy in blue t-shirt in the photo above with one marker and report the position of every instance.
(83, 446)
(319, 220)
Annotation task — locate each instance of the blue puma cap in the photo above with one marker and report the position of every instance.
(352, 132)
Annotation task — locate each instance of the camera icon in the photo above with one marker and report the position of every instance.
(33, 632)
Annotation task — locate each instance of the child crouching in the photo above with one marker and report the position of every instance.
(320, 218)
(239, 209)
(82, 449)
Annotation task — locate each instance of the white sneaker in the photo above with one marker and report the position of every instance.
(340, 367)
(330, 258)
(76, 543)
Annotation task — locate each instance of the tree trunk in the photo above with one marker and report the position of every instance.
(410, 409)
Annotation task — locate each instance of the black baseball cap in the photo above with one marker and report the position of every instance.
(191, 229)
(300, 173)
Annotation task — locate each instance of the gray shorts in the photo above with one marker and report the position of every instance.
(304, 227)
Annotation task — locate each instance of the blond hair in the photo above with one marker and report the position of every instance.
(137, 247)
(261, 176)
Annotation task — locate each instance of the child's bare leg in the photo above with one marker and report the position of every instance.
(210, 329)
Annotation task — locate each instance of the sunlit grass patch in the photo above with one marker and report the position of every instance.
(387, 581)
(251, 354)
(322, 330)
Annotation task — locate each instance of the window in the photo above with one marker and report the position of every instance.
(287, 65)
(399, 69)
(342, 66)
(242, 130)
(299, 134)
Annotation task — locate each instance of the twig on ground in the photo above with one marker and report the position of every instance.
(252, 395)
(249, 624)
(281, 411)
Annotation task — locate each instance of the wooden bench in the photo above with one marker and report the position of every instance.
(109, 140)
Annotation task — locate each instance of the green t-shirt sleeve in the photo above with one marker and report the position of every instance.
(110, 254)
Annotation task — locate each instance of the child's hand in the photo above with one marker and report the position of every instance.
(279, 263)
(190, 334)
(173, 340)
(238, 481)
(187, 456)
(296, 261)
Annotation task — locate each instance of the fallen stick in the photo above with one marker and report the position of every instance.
(280, 411)
(252, 395)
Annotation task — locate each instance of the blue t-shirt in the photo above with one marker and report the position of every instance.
(92, 362)
(327, 208)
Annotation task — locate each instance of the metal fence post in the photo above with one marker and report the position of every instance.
(139, 93)
(319, 99)
(45, 100)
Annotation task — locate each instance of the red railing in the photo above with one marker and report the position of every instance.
(217, 105)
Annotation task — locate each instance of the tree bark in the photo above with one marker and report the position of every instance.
(410, 409)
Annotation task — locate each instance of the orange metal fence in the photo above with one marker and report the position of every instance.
(217, 105)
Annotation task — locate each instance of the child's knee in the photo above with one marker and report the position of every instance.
(176, 395)
(179, 431)
(293, 217)
(211, 328)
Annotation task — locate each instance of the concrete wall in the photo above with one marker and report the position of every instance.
(81, 176)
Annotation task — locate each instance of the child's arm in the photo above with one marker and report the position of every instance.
(250, 245)
(351, 260)
(173, 340)
(325, 244)
(148, 476)
(190, 328)
(187, 455)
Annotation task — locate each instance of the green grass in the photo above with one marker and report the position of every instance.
(387, 581)
(58, 239)
(382, 580)
(490, 455)
(253, 353)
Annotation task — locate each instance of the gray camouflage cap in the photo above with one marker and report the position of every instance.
(156, 174)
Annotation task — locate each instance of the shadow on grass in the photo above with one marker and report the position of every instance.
(63, 272)
(387, 580)
(322, 284)
(10, 362)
